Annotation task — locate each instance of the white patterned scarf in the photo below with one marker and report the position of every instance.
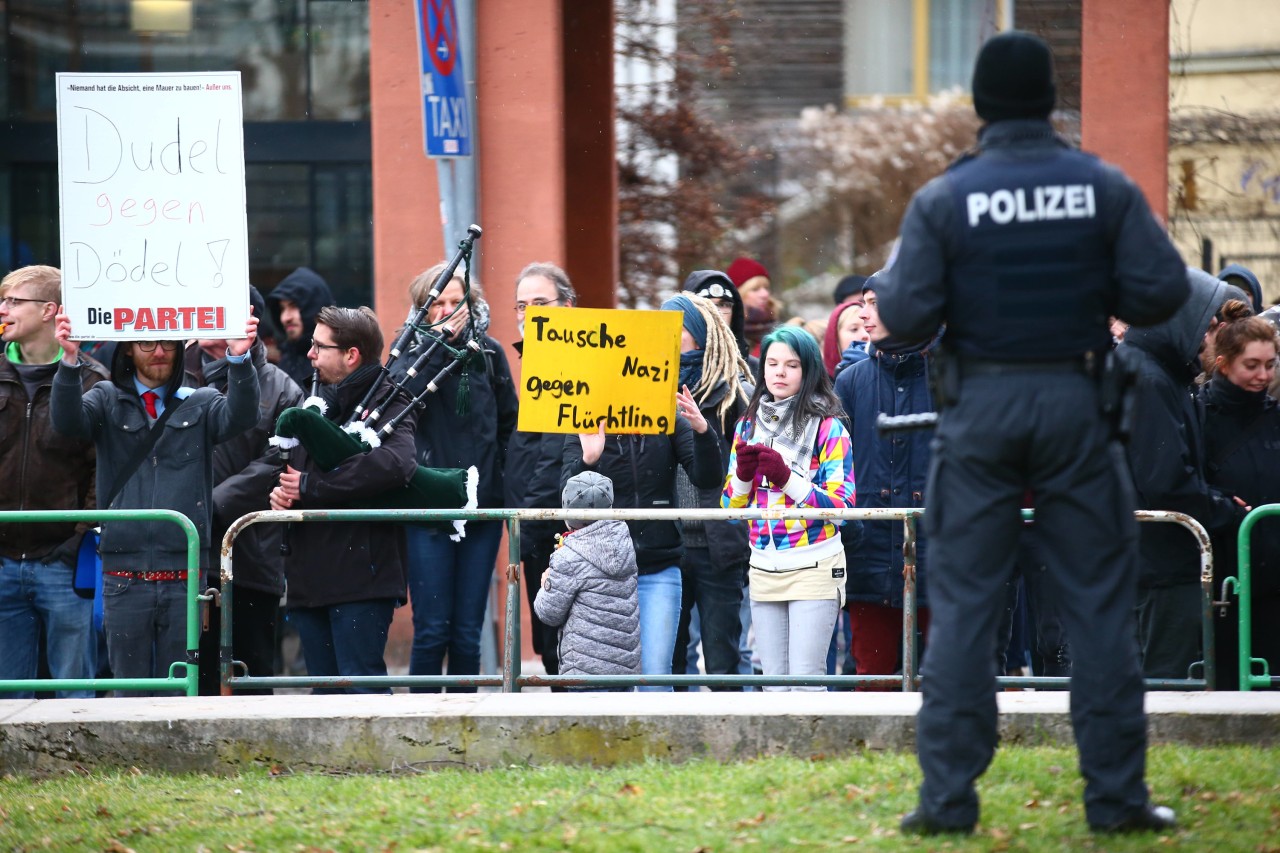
(774, 428)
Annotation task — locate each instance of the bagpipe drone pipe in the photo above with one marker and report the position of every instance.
(329, 444)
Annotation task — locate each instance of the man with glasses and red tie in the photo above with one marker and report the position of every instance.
(154, 439)
(41, 470)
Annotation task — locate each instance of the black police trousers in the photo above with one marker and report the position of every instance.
(1007, 433)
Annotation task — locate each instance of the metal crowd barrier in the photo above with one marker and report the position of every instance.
(188, 680)
(1243, 585)
(512, 680)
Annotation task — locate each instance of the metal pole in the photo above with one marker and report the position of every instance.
(909, 662)
(511, 632)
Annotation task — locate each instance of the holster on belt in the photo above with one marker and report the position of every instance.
(1115, 390)
(944, 377)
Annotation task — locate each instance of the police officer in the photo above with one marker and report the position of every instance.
(1023, 249)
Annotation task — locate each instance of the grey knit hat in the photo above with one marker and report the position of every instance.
(587, 490)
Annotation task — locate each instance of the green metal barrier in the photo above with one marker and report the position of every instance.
(1243, 585)
(188, 681)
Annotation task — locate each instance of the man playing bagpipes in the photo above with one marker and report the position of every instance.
(345, 579)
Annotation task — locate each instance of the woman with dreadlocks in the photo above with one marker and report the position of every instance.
(790, 449)
(713, 569)
(467, 422)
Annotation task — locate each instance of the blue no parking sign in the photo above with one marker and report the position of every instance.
(446, 121)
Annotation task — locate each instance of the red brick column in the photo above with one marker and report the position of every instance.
(1124, 90)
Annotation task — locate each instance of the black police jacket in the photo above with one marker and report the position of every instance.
(1025, 248)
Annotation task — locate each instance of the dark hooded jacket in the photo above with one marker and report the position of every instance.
(477, 436)
(1166, 446)
(1243, 278)
(178, 471)
(256, 560)
(891, 469)
(699, 280)
(306, 289)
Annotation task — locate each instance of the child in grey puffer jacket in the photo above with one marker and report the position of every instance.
(589, 590)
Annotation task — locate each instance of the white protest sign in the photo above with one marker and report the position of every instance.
(151, 182)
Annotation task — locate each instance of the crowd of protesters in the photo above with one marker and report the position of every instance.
(769, 414)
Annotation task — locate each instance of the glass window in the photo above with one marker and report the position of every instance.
(319, 216)
(880, 45)
(289, 54)
(31, 224)
(339, 61)
(878, 58)
(957, 29)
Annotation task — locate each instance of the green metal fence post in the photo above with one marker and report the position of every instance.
(189, 681)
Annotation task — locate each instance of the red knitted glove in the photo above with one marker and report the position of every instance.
(774, 468)
(748, 455)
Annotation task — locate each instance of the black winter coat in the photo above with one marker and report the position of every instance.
(1166, 445)
(256, 561)
(346, 561)
(306, 289)
(1242, 459)
(727, 540)
(532, 481)
(643, 471)
(891, 470)
(479, 437)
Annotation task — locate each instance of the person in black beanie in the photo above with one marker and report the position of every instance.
(1022, 249)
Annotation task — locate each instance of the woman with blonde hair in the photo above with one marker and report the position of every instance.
(467, 422)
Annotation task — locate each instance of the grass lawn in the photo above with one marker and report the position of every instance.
(1227, 799)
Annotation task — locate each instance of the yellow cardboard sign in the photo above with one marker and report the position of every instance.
(581, 365)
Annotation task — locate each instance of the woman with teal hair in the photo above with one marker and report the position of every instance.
(790, 449)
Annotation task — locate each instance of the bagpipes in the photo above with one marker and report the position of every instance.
(329, 445)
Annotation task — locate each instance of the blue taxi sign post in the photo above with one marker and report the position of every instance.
(446, 118)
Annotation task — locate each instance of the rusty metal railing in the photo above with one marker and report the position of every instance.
(512, 679)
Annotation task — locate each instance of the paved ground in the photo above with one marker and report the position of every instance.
(376, 733)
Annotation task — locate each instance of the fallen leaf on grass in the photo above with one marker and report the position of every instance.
(102, 812)
(631, 790)
(751, 821)
(117, 847)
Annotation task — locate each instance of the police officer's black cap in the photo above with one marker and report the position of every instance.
(1013, 78)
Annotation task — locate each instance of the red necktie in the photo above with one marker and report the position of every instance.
(149, 399)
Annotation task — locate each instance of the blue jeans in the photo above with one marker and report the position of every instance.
(34, 596)
(345, 639)
(449, 587)
(146, 627)
(659, 619)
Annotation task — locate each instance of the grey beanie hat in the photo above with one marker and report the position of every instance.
(588, 490)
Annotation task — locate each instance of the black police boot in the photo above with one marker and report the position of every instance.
(1150, 818)
(919, 823)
